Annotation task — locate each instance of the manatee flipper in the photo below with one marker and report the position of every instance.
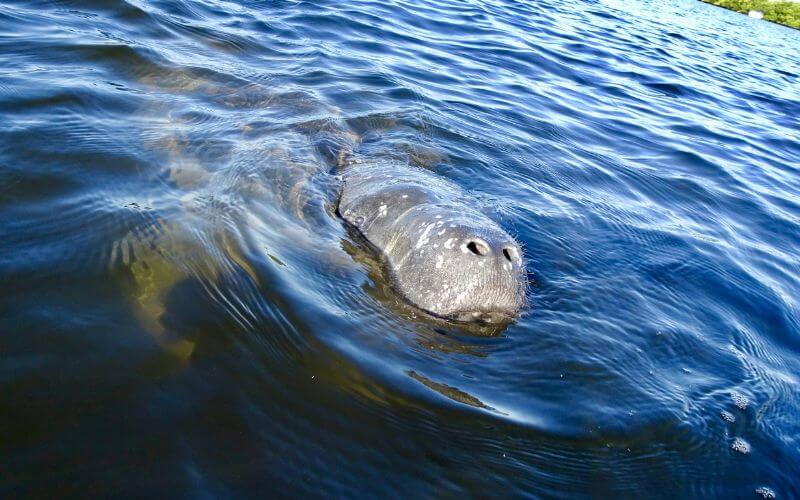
(153, 278)
(154, 260)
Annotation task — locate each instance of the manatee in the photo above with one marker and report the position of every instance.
(440, 252)
(443, 255)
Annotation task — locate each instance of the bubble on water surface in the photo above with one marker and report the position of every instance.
(727, 416)
(741, 446)
(740, 400)
(765, 492)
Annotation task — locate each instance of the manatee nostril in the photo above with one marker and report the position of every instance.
(478, 247)
(511, 254)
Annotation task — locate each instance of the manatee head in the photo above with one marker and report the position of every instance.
(443, 255)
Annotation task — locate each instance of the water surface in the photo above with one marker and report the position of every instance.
(181, 316)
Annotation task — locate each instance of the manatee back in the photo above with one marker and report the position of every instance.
(376, 194)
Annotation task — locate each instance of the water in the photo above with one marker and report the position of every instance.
(180, 315)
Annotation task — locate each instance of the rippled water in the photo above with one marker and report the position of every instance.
(183, 313)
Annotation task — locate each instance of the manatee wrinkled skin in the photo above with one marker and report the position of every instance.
(444, 256)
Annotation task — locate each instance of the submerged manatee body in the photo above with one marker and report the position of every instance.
(444, 256)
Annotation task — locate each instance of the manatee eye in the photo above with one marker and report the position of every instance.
(478, 247)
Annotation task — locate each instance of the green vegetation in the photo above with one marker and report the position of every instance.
(786, 13)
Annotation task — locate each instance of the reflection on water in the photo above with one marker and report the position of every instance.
(182, 311)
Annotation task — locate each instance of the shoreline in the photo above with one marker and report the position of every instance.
(786, 13)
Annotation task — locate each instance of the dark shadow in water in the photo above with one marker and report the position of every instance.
(450, 392)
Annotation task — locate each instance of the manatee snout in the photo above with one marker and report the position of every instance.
(505, 277)
(460, 265)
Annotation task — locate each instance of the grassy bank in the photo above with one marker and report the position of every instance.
(787, 13)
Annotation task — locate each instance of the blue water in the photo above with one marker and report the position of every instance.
(182, 314)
